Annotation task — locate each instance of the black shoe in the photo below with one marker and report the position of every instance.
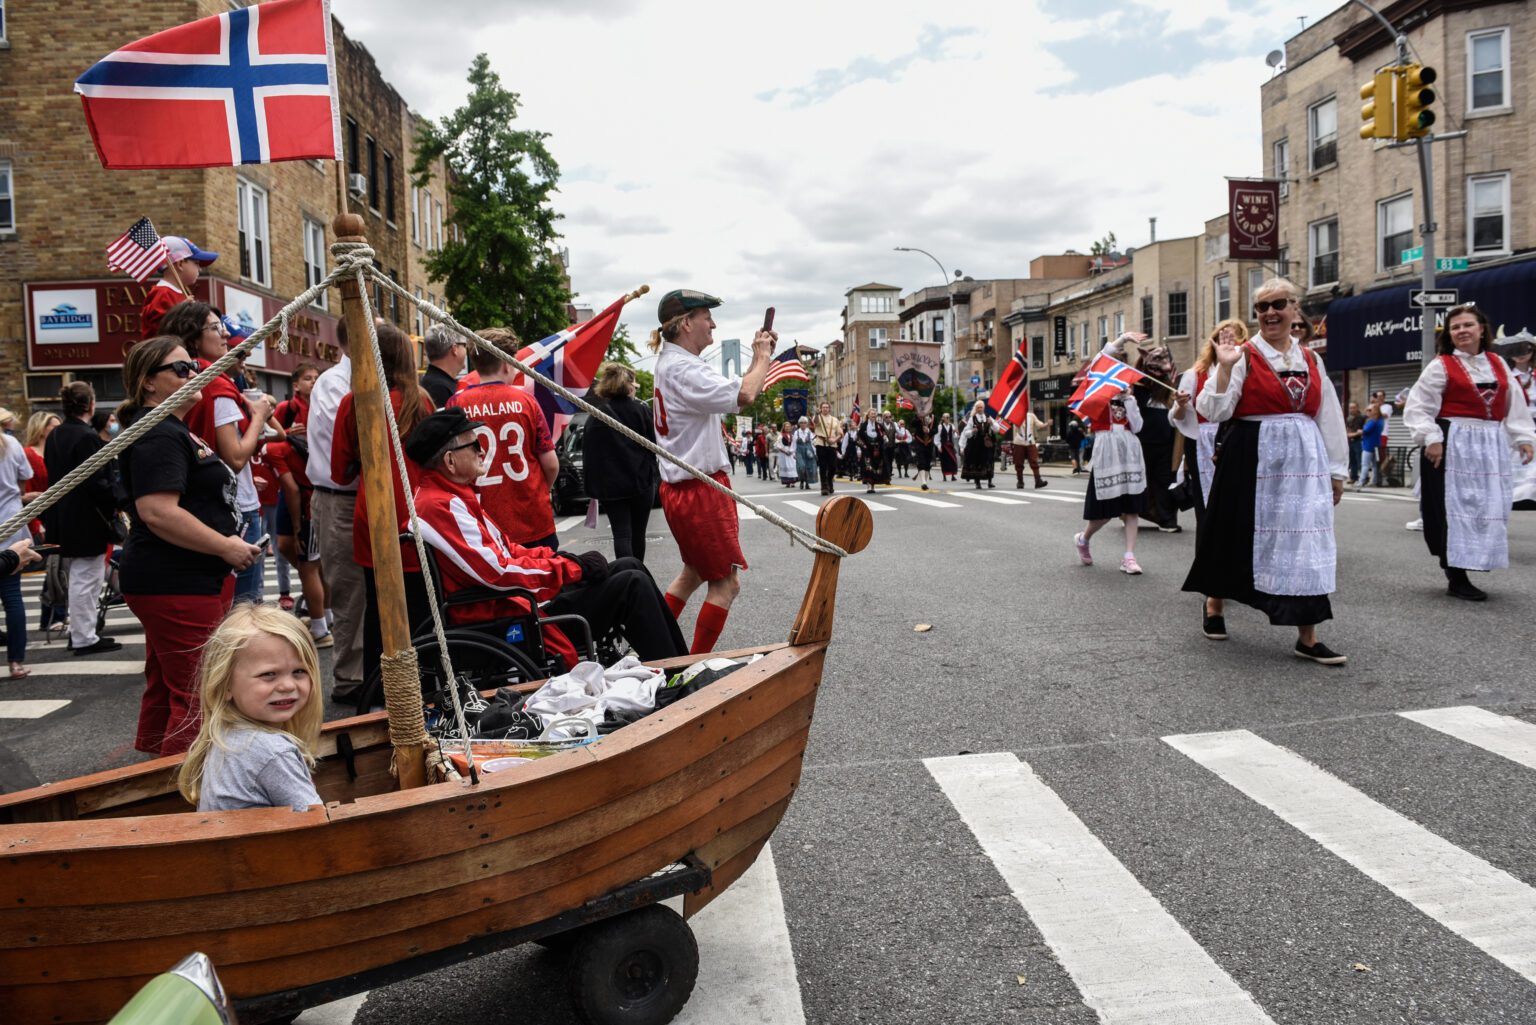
(1321, 653)
(991, 485)
(1214, 627)
(102, 646)
(1041, 482)
(1466, 590)
(925, 487)
(1171, 528)
(1020, 485)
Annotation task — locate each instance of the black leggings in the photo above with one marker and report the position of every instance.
(626, 519)
(626, 598)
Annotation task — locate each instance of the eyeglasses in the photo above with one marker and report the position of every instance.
(182, 368)
(1264, 305)
(473, 443)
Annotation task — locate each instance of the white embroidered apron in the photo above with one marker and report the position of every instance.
(1293, 545)
(1118, 467)
(1478, 493)
(1205, 458)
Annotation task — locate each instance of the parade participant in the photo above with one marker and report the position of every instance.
(184, 541)
(805, 454)
(1520, 354)
(784, 452)
(888, 426)
(1267, 539)
(874, 442)
(922, 450)
(261, 718)
(1073, 436)
(691, 399)
(1117, 483)
(1026, 448)
(978, 442)
(848, 449)
(748, 452)
(1467, 412)
(827, 433)
(473, 553)
(1201, 459)
(761, 449)
(446, 355)
(949, 449)
(619, 473)
(295, 531)
(182, 270)
(520, 458)
(903, 447)
(1153, 394)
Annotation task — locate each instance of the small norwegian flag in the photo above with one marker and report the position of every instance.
(138, 252)
(1105, 378)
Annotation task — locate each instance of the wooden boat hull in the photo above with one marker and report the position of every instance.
(91, 908)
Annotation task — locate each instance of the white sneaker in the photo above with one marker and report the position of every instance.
(1417, 524)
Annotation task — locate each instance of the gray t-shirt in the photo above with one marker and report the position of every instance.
(260, 769)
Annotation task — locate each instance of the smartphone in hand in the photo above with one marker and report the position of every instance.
(768, 319)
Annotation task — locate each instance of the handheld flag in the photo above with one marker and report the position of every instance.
(570, 358)
(138, 252)
(1010, 399)
(1105, 378)
(786, 366)
(253, 85)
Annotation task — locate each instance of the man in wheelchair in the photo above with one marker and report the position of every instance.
(473, 553)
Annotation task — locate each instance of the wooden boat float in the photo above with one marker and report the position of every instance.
(108, 878)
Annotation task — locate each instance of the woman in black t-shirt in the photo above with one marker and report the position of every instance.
(183, 544)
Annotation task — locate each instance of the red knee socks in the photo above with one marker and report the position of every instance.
(675, 603)
(707, 630)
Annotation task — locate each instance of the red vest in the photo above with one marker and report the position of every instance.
(1461, 397)
(1201, 376)
(1264, 394)
(1109, 415)
(200, 417)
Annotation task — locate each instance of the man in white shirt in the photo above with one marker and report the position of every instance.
(691, 399)
(331, 508)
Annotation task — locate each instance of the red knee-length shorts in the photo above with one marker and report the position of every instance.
(704, 523)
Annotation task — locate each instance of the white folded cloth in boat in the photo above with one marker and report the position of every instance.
(589, 692)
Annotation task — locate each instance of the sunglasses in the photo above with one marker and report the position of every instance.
(473, 443)
(1264, 305)
(182, 368)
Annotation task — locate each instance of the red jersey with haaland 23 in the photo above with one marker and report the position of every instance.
(512, 490)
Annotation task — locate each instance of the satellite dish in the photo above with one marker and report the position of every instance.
(1275, 58)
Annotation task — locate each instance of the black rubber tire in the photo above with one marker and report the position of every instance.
(638, 968)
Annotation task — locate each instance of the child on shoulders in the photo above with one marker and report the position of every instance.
(260, 717)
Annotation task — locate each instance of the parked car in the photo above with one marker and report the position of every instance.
(568, 494)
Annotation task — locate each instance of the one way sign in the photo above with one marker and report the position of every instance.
(1423, 297)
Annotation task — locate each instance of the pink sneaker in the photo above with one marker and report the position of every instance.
(1130, 566)
(1082, 549)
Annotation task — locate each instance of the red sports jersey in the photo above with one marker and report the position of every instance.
(513, 490)
(347, 466)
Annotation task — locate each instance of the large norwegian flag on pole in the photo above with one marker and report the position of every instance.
(1105, 378)
(1010, 398)
(570, 358)
(253, 85)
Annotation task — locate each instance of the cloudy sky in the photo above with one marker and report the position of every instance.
(774, 154)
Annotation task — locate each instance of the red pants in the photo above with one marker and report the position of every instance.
(176, 627)
(1031, 453)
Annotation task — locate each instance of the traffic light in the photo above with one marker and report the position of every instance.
(1378, 113)
(1414, 118)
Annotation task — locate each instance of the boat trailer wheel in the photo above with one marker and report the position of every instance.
(637, 968)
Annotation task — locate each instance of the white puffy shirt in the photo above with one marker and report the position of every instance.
(324, 402)
(691, 400)
(1424, 401)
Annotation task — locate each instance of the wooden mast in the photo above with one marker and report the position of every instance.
(373, 442)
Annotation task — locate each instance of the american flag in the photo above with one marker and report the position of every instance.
(786, 366)
(139, 252)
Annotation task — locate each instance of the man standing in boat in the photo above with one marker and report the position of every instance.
(692, 399)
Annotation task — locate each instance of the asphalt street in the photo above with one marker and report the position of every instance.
(1062, 804)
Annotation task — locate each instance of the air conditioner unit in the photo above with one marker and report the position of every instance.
(357, 185)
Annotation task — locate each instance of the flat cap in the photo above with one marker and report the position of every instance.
(683, 300)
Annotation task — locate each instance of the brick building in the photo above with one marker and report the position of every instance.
(270, 223)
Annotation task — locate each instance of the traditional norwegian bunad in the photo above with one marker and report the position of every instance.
(1267, 538)
(1200, 431)
(1472, 405)
(1523, 475)
(1117, 483)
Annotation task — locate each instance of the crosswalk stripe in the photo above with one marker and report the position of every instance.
(1131, 960)
(30, 709)
(1357, 498)
(743, 513)
(804, 506)
(1502, 735)
(920, 500)
(89, 665)
(977, 496)
(875, 506)
(1484, 905)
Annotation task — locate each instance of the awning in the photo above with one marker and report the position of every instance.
(1380, 328)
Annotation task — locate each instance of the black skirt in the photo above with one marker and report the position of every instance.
(1109, 508)
(922, 452)
(1223, 565)
(1432, 499)
(979, 454)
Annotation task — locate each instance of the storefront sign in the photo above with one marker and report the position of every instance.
(84, 325)
(1253, 220)
(1051, 389)
(1059, 326)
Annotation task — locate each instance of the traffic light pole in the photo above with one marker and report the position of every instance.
(1427, 232)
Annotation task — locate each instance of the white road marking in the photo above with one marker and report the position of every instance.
(743, 513)
(1484, 905)
(804, 506)
(875, 506)
(1503, 735)
(30, 709)
(977, 496)
(1357, 498)
(569, 522)
(920, 500)
(89, 665)
(1131, 960)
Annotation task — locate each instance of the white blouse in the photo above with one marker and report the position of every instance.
(1217, 406)
(1424, 401)
(1187, 423)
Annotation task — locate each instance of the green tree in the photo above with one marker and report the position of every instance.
(620, 348)
(500, 266)
(1104, 246)
(645, 385)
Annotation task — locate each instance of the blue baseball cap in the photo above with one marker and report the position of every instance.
(184, 249)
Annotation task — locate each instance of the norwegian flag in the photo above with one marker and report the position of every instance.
(138, 252)
(570, 358)
(250, 86)
(1009, 401)
(1105, 378)
(786, 366)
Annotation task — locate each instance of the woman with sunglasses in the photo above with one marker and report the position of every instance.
(183, 544)
(1282, 458)
(1467, 411)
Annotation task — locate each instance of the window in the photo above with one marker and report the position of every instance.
(1037, 352)
(251, 220)
(394, 298)
(373, 174)
(1085, 338)
(353, 157)
(1323, 242)
(878, 338)
(878, 370)
(938, 329)
(1119, 323)
(1103, 331)
(1323, 133)
(1283, 263)
(314, 257)
(1283, 166)
(1223, 291)
(1487, 214)
(1178, 314)
(7, 195)
(1148, 316)
(421, 318)
(415, 215)
(875, 304)
(389, 187)
(1487, 64)
(438, 230)
(2, 21)
(1071, 339)
(1394, 229)
(1255, 279)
